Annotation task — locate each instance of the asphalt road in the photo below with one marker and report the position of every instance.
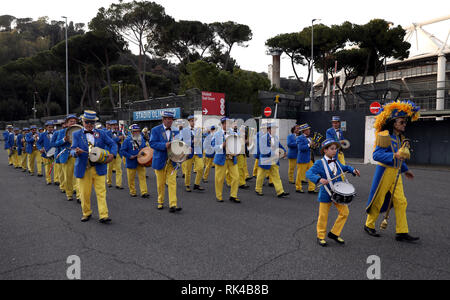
(262, 238)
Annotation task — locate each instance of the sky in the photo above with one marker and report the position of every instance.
(265, 18)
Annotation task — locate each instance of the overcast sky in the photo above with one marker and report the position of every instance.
(265, 18)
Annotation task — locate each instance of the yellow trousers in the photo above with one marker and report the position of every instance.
(301, 175)
(115, 165)
(85, 184)
(242, 166)
(47, 165)
(197, 162)
(68, 168)
(10, 158)
(246, 174)
(131, 175)
(387, 184)
(15, 159)
(39, 162)
(324, 209)
(291, 170)
(220, 172)
(208, 164)
(169, 175)
(274, 174)
(32, 159)
(255, 168)
(24, 160)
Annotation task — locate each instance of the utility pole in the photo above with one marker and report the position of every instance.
(67, 72)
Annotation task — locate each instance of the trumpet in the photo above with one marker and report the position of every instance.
(316, 140)
(36, 139)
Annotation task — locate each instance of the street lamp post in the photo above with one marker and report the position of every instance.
(120, 94)
(67, 71)
(312, 58)
(34, 105)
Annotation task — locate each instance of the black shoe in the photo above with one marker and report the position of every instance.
(182, 176)
(160, 207)
(175, 209)
(291, 182)
(109, 185)
(235, 200)
(145, 196)
(371, 232)
(312, 192)
(119, 187)
(336, 238)
(322, 243)
(405, 237)
(244, 187)
(299, 191)
(57, 183)
(63, 192)
(198, 188)
(69, 199)
(85, 219)
(282, 195)
(49, 183)
(220, 201)
(304, 182)
(39, 175)
(259, 194)
(114, 171)
(105, 221)
(133, 196)
(78, 201)
(188, 189)
(271, 185)
(248, 179)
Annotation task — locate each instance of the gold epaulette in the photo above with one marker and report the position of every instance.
(383, 139)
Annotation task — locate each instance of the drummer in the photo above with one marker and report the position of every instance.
(44, 144)
(224, 163)
(266, 165)
(318, 174)
(130, 149)
(66, 160)
(195, 159)
(160, 139)
(88, 173)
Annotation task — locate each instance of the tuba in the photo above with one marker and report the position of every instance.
(345, 144)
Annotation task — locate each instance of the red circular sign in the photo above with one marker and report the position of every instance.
(375, 107)
(267, 111)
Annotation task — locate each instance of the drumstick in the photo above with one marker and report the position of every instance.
(320, 185)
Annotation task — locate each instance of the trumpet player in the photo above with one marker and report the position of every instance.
(387, 185)
(208, 146)
(31, 148)
(15, 149)
(24, 156)
(305, 145)
(336, 134)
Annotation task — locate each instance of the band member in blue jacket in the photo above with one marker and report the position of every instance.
(6, 134)
(115, 166)
(193, 136)
(31, 138)
(269, 162)
(130, 149)
(318, 174)
(292, 152)
(14, 150)
(160, 139)
(44, 145)
(89, 173)
(208, 148)
(224, 163)
(304, 162)
(336, 134)
(24, 133)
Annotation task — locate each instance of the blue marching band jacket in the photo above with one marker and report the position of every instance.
(130, 148)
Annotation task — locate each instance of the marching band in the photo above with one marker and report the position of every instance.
(85, 156)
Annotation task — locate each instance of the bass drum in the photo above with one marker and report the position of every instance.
(145, 157)
(178, 151)
(71, 130)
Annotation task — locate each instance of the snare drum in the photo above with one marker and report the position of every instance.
(51, 153)
(98, 155)
(343, 192)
